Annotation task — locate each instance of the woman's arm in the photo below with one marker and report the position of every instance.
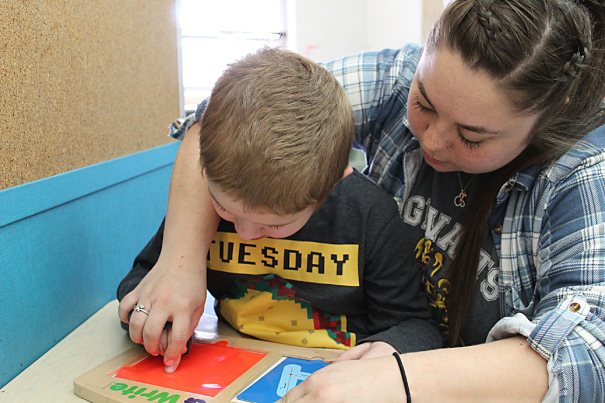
(504, 371)
(175, 289)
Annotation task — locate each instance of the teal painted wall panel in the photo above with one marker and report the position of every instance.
(66, 242)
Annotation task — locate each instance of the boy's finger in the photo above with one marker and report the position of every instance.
(164, 340)
(354, 353)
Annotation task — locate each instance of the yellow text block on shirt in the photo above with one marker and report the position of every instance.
(313, 262)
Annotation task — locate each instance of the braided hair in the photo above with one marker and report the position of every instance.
(548, 58)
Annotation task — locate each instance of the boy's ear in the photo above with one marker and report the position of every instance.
(348, 171)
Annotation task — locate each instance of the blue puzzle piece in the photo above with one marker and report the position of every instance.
(277, 382)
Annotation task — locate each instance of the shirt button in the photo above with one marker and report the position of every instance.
(508, 189)
(574, 307)
(498, 229)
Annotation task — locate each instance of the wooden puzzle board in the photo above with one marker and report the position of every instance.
(135, 376)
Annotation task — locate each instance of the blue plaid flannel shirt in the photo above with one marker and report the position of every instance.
(551, 248)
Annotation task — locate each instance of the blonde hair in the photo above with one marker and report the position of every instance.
(277, 132)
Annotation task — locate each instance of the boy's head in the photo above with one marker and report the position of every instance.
(275, 136)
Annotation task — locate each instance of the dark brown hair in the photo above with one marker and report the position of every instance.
(277, 132)
(548, 58)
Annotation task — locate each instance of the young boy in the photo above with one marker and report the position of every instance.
(308, 249)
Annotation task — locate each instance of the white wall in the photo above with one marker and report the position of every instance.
(392, 23)
(326, 29)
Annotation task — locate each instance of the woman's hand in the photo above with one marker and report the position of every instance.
(174, 290)
(482, 373)
(361, 381)
(170, 293)
(165, 340)
(371, 349)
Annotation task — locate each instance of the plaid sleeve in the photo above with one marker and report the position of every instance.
(570, 317)
(377, 84)
(572, 338)
(180, 126)
(553, 273)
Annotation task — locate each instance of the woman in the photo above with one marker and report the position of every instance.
(489, 130)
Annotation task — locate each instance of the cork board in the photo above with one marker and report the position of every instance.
(83, 82)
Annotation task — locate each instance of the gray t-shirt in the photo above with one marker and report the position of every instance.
(338, 280)
(434, 226)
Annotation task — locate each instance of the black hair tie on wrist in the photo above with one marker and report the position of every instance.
(405, 379)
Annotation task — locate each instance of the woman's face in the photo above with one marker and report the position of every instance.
(462, 121)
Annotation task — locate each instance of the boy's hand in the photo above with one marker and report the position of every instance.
(170, 293)
(367, 350)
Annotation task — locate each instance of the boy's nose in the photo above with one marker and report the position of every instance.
(247, 230)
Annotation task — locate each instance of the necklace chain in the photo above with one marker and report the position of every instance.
(460, 200)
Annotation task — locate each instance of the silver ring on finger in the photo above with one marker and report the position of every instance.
(140, 308)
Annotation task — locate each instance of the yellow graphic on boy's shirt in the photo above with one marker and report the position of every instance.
(285, 321)
(313, 262)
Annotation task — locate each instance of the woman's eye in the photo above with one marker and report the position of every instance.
(470, 144)
(274, 226)
(421, 107)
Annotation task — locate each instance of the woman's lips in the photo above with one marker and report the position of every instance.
(431, 160)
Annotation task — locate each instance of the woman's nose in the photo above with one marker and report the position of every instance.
(435, 138)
